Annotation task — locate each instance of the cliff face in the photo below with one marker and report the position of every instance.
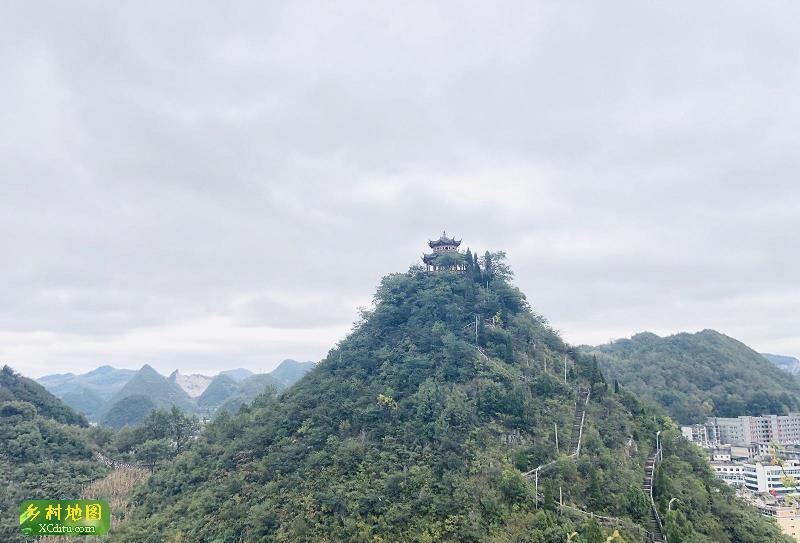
(194, 384)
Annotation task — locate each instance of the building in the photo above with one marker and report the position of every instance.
(743, 453)
(445, 255)
(721, 454)
(731, 473)
(759, 477)
(697, 433)
(744, 430)
(787, 518)
(780, 429)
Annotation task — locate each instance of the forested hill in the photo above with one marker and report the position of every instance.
(696, 375)
(44, 450)
(15, 387)
(408, 431)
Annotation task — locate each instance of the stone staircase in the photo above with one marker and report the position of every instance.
(654, 523)
(578, 420)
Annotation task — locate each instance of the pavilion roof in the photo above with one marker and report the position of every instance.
(444, 240)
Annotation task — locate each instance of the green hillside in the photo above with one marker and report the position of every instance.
(17, 387)
(407, 431)
(221, 388)
(697, 375)
(41, 457)
(249, 389)
(147, 388)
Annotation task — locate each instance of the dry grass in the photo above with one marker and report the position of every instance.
(115, 488)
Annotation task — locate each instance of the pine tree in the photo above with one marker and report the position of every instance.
(616, 386)
(488, 269)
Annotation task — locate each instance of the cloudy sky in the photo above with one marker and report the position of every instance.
(211, 187)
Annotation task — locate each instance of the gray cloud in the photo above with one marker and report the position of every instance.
(224, 185)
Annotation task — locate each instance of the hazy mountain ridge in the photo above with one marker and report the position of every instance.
(109, 394)
(697, 375)
(789, 364)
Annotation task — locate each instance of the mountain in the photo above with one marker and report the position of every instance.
(44, 450)
(289, 372)
(147, 388)
(788, 364)
(14, 387)
(249, 389)
(227, 394)
(409, 431)
(88, 393)
(129, 411)
(697, 375)
(97, 392)
(238, 374)
(193, 384)
(221, 389)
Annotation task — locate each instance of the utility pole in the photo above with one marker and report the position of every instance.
(536, 491)
(560, 499)
(476, 330)
(565, 369)
(556, 425)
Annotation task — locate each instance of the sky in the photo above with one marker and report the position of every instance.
(206, 186)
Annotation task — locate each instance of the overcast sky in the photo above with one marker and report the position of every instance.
(210, 187)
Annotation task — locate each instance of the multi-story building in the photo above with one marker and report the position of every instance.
(759, 477)
(787, 518)
(733, 474)
(779, 429)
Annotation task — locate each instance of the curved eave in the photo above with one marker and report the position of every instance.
(443, 241)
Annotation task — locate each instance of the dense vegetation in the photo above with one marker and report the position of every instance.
(162, 434)
(41, 457)
(697, 375)
(408, 431)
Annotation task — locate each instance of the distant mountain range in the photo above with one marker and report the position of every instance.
(788, 364)
(119, 397)
(697, 375)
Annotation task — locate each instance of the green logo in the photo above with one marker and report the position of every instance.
(64, 517)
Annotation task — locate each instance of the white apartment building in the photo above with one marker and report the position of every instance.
(758, 477)
(733, 474)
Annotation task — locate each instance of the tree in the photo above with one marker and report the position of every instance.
(183, 428)
(549, 499)
(488, 269)
(153, 451)
(636, 503)
(592, 532)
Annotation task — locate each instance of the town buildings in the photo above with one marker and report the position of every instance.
(744, 430)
